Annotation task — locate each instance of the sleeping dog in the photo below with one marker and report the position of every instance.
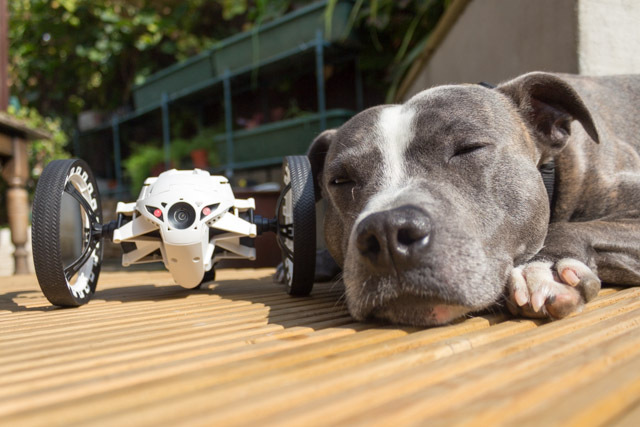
(437, 207)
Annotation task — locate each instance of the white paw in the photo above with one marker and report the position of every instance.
(542, 289)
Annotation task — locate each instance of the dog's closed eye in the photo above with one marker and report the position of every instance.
(341, 181)
(468, 149)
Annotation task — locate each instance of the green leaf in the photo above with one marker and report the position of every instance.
(233, 8)
(70, 5)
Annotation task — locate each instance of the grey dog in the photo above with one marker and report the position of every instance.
(437, 207)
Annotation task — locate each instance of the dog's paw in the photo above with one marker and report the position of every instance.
(542, 289)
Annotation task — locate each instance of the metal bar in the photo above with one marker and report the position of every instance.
(271, 161)
(228, 122)
(205, 84)
(275, 23)
(322, 106)
(277, 126)
(117, 156)
(359, 91)
(286, 55)
(166, 131)
(125, 118)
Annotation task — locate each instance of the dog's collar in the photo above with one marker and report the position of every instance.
(548, 172)
(487, 85)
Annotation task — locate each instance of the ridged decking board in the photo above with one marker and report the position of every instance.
(241, 352)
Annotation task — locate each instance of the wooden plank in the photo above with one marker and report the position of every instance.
(231, 379)
(368, 398)
(6, 146)
(543, 389)
(284, 390)
(241, 351)
(601, 399)
(15, 126)
(630, 418)
(76, 385)
(427, 402)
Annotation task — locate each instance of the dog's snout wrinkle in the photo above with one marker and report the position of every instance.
(393, 239)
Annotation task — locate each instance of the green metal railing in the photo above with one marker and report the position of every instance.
(317, 47)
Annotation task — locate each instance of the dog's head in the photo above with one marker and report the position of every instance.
(431, 203)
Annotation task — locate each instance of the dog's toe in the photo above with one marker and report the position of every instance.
(540, 289)
(521, 295)
(563, 303)
(580, 276)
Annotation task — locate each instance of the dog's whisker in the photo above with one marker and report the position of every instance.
(341, 300)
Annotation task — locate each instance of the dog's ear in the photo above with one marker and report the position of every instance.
(317, 154)
(549, 105)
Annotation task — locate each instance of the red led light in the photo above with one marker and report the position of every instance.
(206, 211)
(157, 213)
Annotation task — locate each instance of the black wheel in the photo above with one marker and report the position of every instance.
(297, 225)
(67, 250)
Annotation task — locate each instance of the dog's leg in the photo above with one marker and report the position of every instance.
(566, 273)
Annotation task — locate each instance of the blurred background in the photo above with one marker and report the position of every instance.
(135, 87)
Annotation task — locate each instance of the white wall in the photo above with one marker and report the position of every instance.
(609, 37)
(494, 40)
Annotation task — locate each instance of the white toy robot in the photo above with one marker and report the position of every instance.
(195, 213)
(188, 219)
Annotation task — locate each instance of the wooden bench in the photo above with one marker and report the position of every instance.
(242, 352)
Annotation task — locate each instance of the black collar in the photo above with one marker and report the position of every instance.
(487, 85)
(548, 172)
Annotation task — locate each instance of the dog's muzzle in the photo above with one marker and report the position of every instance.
(392, 241)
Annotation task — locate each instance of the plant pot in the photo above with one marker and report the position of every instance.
(158, 169)
(200, 158)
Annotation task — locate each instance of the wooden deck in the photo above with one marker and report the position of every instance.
(146, 352)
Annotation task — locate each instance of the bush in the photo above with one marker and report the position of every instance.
(141, 163)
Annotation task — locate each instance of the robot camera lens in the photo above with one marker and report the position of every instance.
(181, 215)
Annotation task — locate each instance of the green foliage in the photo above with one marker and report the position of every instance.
(150, 156)
(258, 11)
(73, 55)
(397, 30)
(42, 151)
(181, 148)
(139, 165)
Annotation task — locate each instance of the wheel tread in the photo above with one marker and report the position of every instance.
(304, 223)
(46, 231)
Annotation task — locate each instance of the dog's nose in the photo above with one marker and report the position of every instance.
(393, 238)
